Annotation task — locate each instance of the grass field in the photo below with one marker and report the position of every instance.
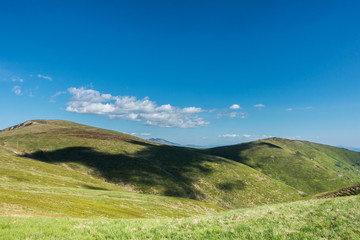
(336, 218)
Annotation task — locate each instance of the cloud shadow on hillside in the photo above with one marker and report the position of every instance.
(168, 170)
(235, 152)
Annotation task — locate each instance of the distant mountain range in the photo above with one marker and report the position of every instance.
(164, 141)
(350, 148)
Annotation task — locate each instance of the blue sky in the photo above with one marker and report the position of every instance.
(192, 72)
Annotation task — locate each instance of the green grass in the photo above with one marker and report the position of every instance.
(337, 218)
(348, 191)
(309, 167)
(146, 167)
(32, 188)
(63, 180)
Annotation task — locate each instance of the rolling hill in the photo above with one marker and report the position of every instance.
(309, 167)
(51, 169)
(144, 167)
(34, 188)
(244, 175)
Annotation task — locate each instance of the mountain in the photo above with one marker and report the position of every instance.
(256, 173)
(163, 141)
(143, 166)
(309, 167)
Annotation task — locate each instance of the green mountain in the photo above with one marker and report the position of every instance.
(309, 167)
(142, 166)
(244, 175)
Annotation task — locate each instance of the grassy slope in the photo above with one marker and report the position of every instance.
(348, 191)
(336, 218)
(146, 167)
(33, 188)
(309, 167)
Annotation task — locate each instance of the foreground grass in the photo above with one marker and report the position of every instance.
(337, 218)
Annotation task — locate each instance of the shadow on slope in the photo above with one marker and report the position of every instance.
(164, 170)
(235, 152)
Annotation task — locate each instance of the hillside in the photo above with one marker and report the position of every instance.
(348, 191)
(309, 167)
(335, 218)
(142, 166)
(33, 188)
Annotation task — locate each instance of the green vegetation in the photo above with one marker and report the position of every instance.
(336, 218)
(55, 173)
(309, 167)
(348, 191)
(33, 188)
(146, 167)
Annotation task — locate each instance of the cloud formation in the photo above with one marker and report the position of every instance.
(17, 79)
(44, 77)
(140, 134)
(89, 101)
(17, 90)
(235, 106)
(52, 98)
(242, 115)
(232, 135)
(259, 105)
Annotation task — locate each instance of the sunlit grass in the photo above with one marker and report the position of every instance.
(337, 218)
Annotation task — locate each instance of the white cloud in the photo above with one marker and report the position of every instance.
(233, 114)
(140, 134)
(232, 135)
(58, 94)
(259, 105)
(293, 138)
(289, 109)
(44, 77)
(235, 106)
(55, 95)
(247, 135)
(17, 90)
(89, 101)
(192, 110)
(17, 79)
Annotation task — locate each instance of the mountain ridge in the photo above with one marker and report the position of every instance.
(242, 175)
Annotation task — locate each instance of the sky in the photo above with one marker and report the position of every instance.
(191, 72)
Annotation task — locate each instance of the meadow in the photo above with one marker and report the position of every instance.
(335, 218)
